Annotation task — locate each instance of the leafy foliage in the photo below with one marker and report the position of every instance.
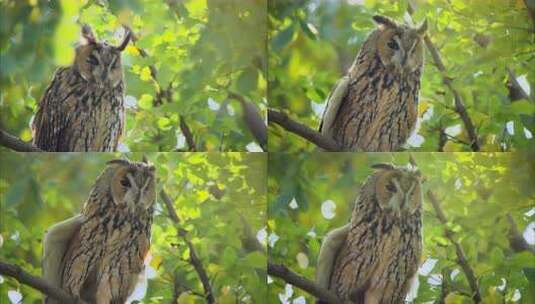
(311, 194)
(201, 51)
(313, 43)
(220, 199)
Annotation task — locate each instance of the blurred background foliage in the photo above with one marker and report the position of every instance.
(201, 50)
(219, 197)
(312, 43)
(311, 194)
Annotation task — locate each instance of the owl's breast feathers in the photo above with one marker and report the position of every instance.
(380, 257)
(379, 111)
(109, 251)
(77, 115)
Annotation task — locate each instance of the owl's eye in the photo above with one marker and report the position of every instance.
(125, 183)
(92, 60)
(393, 44)
(391, 187)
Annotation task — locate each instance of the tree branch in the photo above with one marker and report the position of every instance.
(305, 132)
(14, 143)
(459, 103)
(166, 94)
(461, 256)
(516, 85)
(37, 283)
(252, 119)
(282, 272)
(249, 241)
(184, 128)
(194, 259)
(516, 240)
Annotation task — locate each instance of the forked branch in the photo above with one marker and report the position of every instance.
(193, 257)
(460, 108)
(461, 256)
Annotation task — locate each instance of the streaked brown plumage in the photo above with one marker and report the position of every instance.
(99, 254)
(375, 107)
(82, 109)
(374, 258)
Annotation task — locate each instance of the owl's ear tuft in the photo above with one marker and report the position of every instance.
(422, 28)
(121, 161)
(126, 39)
(87, 36)
(384, 22)
(383, 166)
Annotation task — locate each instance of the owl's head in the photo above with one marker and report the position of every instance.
(400, 47)
(98, 62)
(132, 185)
(398, 189)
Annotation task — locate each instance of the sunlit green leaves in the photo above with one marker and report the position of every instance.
(476, 42)
(183, 54)
(220, 199)
(472, 189)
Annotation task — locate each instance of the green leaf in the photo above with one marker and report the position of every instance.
(248, 80)
(523, 107)
(283, 38)
(145, 102)
(529, 272)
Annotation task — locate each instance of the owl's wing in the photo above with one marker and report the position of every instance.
(330, 247)
(56, 242)
(333, 104)
(49, 120)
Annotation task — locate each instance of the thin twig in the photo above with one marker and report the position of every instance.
(282, 272)
(461, 256)
(460, 108)
(186, 131)
(166, 94)
(38, 283)
(193, 257)
(14, 143)
(305, 132)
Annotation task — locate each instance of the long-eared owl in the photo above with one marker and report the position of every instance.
(374, 258)
(99, 254)
(83, 108)
(375, 106)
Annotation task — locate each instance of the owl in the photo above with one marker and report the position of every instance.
(374, 258)
(375, 106)
(83, 108)
(99, 254)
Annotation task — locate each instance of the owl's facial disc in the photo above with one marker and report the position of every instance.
(401, 196)
(105, 65)
(131, 195)
(98, 62)
(404, 50)
(133, 187)
(399, 46)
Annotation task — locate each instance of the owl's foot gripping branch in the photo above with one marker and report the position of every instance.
(38, 283)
